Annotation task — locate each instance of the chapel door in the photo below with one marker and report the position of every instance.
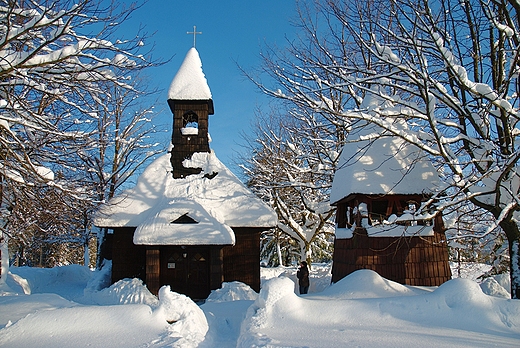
(186, 270)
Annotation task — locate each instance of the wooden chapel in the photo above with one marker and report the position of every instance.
(189, 222)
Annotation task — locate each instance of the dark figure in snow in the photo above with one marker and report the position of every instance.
(303, 277)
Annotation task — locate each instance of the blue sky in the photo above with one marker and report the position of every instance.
(233, 32)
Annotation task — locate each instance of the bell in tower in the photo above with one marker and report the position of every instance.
(189, 99)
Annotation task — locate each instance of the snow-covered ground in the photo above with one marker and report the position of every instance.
(64, 307)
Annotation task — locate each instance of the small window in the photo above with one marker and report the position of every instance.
(184, 219)
(190, 124)
(198, 257)
(379, 210)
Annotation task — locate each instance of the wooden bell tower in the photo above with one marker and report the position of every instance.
(190, 132)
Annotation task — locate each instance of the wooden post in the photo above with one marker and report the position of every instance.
(153, 270)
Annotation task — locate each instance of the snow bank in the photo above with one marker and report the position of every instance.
(366, 310)
(125, 291)
(96, 326)
(368, 284)
(225, 310)
(100, 279)
(362, 310)
(188, 325)
(490, 286)
(124, 314)
(274, 290)
(66, 281)
(265, 311)
(232, 291)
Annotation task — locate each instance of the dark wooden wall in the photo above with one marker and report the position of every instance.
(406, 260)
(242, 261)
(128, 259)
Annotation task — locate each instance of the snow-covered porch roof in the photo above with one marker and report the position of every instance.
(182, 222)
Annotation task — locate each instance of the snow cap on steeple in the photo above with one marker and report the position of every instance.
(190, 83)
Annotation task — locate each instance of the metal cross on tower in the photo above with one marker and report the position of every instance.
(194, 32)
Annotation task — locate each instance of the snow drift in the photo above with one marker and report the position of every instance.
(61, 307)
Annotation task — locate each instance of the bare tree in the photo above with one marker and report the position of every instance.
(290, 166)
(121, 143)
(452, 67)
(57, 60)
(47, 228)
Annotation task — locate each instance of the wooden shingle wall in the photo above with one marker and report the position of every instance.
(185, 145)
(242, 261)
(216, 272)
(153, 270)
(406, 260)
(128, 259)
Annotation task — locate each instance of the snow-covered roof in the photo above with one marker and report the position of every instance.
(161, 228)
(387, 164)
(190, 83)
(158, 200)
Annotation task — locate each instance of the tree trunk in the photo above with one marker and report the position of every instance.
(4, 258)
(279, 253)
(86, 254)
(514, 264)
(101, 238)
(512, 231)
(307, 254)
